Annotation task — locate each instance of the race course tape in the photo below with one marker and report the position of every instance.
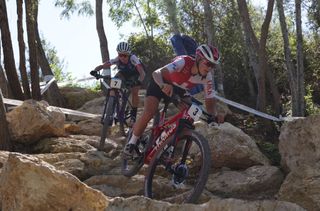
(248, 109)
(64, 110)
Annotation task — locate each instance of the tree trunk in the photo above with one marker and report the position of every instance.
(290, 67)
(3, 82)
(101, 34)
(5, 143)
(275, 92)
(3, 79)
(263, 63)
(53, 95)
(300, 65)
(22, 50)
(30, 11)
(171, 9)
(257, 50)
(210, 35)
(8, 57)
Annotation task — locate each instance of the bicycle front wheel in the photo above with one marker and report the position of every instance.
(107, 121)
(179, 176)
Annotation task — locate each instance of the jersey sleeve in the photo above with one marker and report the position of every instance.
(175, 66)
(114, 61)
(209, 86)
(134, 60)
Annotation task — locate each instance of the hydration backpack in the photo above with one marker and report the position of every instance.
(186, 45)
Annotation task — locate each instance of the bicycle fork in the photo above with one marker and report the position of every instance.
(179, 170)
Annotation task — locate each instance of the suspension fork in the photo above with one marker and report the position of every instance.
(105, 108)
(183, 123)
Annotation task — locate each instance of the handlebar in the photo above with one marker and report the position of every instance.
(177, 99)
(127, 83)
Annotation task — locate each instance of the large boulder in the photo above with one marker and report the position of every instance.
(27, 183)
(231, 147)
(76, 96)
(257, 182)
(34, 120)
(299, 147)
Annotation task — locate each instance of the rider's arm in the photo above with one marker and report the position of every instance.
(106, 64)
(210, 101)
(158, 78)
(136, 62)
(211, 106)
(103, 66)
(141, 72)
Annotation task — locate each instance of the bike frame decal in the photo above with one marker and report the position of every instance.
(160, 139)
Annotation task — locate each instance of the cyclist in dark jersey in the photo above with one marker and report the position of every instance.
(130, 68)
(185, 72)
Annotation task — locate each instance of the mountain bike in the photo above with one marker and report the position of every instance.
(177, 155)
(117, 107)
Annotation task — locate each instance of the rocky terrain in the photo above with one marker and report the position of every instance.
(56, 166)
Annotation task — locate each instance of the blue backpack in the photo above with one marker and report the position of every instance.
(185, 45)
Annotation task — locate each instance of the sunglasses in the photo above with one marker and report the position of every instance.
(209, 64)
(123, 55)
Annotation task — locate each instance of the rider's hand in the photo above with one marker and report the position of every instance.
(167, 89)
(93, 73)
(220, 119)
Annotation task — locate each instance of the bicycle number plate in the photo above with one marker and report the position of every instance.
(195, 112)
(115, 83)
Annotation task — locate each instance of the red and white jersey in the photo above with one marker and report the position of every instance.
(180, 75)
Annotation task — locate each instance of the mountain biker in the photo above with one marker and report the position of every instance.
(184, 72)
(130, 67)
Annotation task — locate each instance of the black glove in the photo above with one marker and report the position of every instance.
(93, 73)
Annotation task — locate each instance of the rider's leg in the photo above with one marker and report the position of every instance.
(135, 102)
(150, 107)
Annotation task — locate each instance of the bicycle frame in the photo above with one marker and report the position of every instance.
(165, 133)
(123, 94)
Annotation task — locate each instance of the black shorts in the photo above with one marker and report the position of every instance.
(129, 76)
(155, 91)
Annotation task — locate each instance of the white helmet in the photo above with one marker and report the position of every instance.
(123, 47)
(209, 53)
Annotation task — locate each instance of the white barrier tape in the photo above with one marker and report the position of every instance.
(248, 109)
(47, 86)
(64, 110)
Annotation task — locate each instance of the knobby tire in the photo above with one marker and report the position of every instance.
(195, 180)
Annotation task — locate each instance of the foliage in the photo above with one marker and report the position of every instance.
(311, 107)
(271, 151)
(70, 7)
(122, 11)
(56, 64)
(314, 14)
(154, 53)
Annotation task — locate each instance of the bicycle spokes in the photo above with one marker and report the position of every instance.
(180, 176)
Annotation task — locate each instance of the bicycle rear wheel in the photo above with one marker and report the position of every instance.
(107, 121)
(182, 177)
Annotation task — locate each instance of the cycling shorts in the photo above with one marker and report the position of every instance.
(155, 91)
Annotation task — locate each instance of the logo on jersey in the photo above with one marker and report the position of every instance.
(174, 66)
